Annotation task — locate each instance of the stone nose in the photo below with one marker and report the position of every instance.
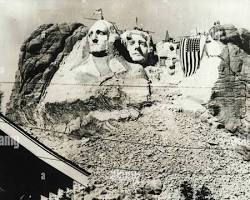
(137, 45)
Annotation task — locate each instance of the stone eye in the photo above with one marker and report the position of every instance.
(144, 44)
(131, 42)
(98, 32)
(91, 33)
(128, 38)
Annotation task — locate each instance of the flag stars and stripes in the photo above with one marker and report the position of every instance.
(190, 55)
(193, 45)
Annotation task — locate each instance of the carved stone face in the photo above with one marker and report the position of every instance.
(137, 47)
(168, 51)
(171, 58)
(98, 37)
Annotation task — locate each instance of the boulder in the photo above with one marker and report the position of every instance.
(230, 34)
(154, 186)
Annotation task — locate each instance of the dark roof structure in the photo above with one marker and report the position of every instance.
(30, 168)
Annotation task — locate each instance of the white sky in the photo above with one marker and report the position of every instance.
(18, 18)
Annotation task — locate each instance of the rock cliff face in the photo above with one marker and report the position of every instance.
(230, 95)
(43, 52)
(64, 46)
(40, 57)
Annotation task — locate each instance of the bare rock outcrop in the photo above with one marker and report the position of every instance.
(240, 37)
(40, 57)
(229, 100)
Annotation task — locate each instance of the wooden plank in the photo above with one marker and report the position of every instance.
(44, 153)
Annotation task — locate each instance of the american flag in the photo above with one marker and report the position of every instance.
(190, 54)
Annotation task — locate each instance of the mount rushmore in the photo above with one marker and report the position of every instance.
(112, 100)
(68, 67)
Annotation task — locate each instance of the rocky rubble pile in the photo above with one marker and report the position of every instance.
(174, 156)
